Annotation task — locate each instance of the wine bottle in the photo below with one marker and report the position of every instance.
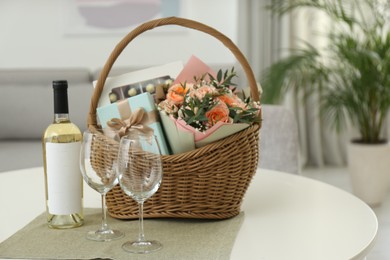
(61, 150)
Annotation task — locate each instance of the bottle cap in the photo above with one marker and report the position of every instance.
(60, 89)
(60, 84)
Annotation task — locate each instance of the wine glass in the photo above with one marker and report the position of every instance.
(98, 167)
(140, 175)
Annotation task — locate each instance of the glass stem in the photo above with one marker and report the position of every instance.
(104, 213)
(141, 236)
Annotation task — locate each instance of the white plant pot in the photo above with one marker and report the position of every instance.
(369, 168)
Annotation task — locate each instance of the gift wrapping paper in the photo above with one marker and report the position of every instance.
(122, 109)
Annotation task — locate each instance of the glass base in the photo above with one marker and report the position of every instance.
(142, 247)
(65, 221)
(104, 235)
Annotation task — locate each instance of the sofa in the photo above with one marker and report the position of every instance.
(26, 109)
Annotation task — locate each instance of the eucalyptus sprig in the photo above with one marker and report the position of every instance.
(194, 111)
(224, 79)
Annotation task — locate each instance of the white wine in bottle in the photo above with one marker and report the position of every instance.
(61, 150)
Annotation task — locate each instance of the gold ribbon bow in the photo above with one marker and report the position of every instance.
(136, 122)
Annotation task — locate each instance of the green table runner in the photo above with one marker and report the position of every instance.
(181, 239)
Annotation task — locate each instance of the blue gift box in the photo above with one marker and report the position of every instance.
(122, 109)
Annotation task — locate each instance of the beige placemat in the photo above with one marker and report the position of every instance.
(181, 239)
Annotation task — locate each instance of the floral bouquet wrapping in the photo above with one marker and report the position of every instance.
(205, 108)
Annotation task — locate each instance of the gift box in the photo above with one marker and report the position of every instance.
(124, 109)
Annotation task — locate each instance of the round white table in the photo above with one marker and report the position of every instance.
(286, 216)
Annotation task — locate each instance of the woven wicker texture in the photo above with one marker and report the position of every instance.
(102, 155)
(209, 182)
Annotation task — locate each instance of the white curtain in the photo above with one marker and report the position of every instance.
(265, 38)
(261, 35)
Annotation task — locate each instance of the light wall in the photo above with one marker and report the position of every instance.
(32, 36)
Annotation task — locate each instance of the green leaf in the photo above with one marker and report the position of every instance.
(219, 75)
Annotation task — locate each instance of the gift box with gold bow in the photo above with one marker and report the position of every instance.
(137, 113)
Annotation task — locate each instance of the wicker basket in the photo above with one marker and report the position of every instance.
(209, 182)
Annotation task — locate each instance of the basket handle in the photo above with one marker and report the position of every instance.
(161, 22)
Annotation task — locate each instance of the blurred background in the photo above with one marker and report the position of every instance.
(41, 39)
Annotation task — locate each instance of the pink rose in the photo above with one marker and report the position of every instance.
(219, 113)
(232, 101)
(204, 90)
(176, 93)
(168, 106)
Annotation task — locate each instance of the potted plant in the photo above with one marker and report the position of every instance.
(351, 77)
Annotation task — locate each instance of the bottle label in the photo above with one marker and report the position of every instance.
(64, 179)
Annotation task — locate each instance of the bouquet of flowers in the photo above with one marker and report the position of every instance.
(206, 102)
(205, 105)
